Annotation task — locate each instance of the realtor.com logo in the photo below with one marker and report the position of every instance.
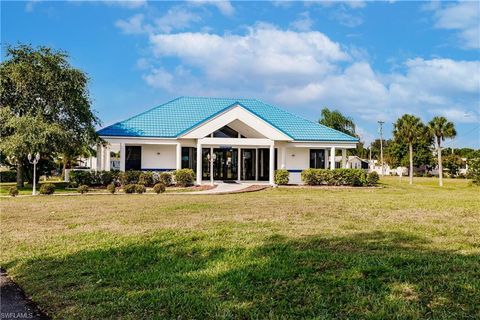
(16, 315)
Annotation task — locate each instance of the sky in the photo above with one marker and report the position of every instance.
(370, 60)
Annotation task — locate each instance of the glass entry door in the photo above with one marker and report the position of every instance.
(248, 164)
(225, 165)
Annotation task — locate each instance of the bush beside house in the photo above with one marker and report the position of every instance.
(336, 177)
(8, 176)
(184, 177)
(47, 188)
(282, 176)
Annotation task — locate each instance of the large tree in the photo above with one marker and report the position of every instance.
(38, 86)
(441, 128)
(336, 120)
(409, 129)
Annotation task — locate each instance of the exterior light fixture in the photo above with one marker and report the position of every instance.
(34, 161)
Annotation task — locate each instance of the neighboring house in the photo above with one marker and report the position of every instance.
(353, 162)
(222, 139)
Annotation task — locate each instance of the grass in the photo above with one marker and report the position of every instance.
(403, 252)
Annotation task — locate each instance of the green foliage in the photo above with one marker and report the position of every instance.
(13, 191)
(282, 176)
(107, 177)
(8, 176)
(452, 163)
(45, 105)
(166, 178)
(159, 188)
(474, 170)
(111, 188)
(47, 188)
(81, 177)
(83, 189)
(337, 177)
(373, 178)
(129, 188)
(129, 177)
(140, 188)
(184, 177)
(440, 128)
(336, 120)
(146, 178)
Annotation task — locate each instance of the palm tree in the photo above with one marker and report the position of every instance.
(409, 129)
(441, 128)
(336, 120)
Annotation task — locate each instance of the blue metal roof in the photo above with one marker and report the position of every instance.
(176, 117)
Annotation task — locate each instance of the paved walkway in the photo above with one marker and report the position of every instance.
(223, 188)
(14, 304)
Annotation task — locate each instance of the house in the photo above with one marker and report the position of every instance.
(353, 162)
(222, 139)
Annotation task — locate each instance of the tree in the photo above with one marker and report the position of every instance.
(39, 86)
(452, 163)
(409, 129)
(441, 128)
(336, 120)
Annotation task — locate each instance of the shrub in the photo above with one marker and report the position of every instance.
(13, 191)
(282, 176)
(337, 177)
(166, 178)
(129, 177)
(106, 177)
(372, 178)
(474, 170)
(159, 188)
(111, 188)
(140, 188)
(146, 178)
(129, 188)
(184, 177)
(47, 188)
(8, 176)
(83, 189)
(81, 177)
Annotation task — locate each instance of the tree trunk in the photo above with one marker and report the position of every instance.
(410, 149)
(63, 169)
(20, 180)
(440, 165)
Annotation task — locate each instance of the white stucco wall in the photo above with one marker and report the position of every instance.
(297, 159)
(158, 156)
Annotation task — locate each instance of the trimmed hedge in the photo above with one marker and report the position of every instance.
(13, 191)
(336, 177)
(146, 178)
(111, 188)
(140, 188)
(372, 178)
(184, 177)
(159, 188)
(83, 189)
(166, 178)
(47, 188)
(93, 178)
(129, 188)
(282, 176)
(8, 176)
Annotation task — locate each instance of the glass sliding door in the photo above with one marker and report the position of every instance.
(263, 164)
(225, 165)
(248, 164)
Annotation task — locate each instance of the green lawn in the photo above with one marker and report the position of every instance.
(397, 252)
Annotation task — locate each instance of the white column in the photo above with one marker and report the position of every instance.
(344, 158)
(211, 166)
(256, 164)
(122, 156)
(107, 158)
(199, 163)
(99, 157)
(272, 165)
(326, 158)
(179, 157)
(332, 158)
(283, 151)
(240, 159)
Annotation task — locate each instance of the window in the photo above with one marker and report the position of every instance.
(189, 158)
(225, 132)
(133, 157)
(317, 158)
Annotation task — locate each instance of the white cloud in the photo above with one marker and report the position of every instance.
(303, 23)
(463, 17)
(224, 6)
(176, 18)
(159, 78)
(134, 25)
(346, 19)
(129, 4)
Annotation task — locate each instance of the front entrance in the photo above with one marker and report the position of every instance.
(225, 164)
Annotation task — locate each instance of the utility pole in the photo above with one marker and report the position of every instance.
(381, 144)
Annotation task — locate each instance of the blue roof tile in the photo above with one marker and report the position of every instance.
(178, 116)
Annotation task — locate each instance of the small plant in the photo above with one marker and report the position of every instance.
(372, 178)
(145, 178)
(83, 189)
(47, 188)
(111, 188)
(282, 176)
(129, 188)
(140, 188)
(159, 188)
(13, 191)
(166, 178)
(184, 177)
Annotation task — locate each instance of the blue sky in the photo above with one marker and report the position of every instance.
(371, 60)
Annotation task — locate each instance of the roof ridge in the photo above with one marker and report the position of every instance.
(302, 118)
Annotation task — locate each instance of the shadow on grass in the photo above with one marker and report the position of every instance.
(369, 275)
